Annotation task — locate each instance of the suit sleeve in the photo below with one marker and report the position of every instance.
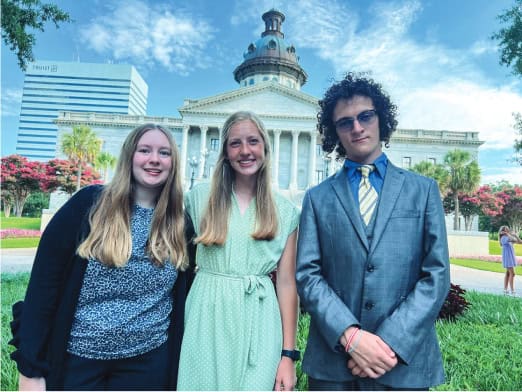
(56, 249)
(328, 311)
(406, 328)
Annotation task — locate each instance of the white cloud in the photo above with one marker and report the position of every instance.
(435, 87)
(513, 175)
(11, 101)
(151, 34)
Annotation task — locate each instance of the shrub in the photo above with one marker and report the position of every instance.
(35, 203)
(455, 304)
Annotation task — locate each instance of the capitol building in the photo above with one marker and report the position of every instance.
(269, 83)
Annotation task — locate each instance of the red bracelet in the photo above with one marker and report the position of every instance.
(349, 341)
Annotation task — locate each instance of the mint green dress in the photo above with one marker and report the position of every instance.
(233, 330)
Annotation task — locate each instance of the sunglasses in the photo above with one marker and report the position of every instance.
(364, 118)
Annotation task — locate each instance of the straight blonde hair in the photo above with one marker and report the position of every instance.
(215, 220)
(110, 240)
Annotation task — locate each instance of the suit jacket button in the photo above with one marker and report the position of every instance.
(368, 305)
(370, 268)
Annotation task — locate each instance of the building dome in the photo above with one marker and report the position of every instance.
(270, 58)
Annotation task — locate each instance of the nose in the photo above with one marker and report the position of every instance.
(244, 149)
(357, 127)
(154, 157)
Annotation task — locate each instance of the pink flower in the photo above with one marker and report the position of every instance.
(19, 233)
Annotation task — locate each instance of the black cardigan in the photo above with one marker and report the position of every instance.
(42, 322)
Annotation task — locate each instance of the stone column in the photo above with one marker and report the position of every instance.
(311, 159)
(203, 152)
(183, 152)
(295, 151)
(275, 160)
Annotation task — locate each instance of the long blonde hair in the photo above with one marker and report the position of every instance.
(214, 223)
(110, 241)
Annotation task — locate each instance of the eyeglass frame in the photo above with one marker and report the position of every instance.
(363, 122)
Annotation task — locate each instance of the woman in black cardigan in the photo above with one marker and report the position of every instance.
(105, 303)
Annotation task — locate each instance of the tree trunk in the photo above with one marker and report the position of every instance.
(468, 221)
(7, 210)
(456, 223)
(79, 182)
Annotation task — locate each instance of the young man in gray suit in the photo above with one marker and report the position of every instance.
(372, 259)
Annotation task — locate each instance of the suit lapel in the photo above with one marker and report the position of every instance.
(393, 182)
(344, 194)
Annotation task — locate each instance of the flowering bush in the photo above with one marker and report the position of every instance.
(19, 233)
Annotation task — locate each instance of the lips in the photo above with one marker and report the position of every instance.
(152, 171)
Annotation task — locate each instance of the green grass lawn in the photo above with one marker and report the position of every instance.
(14, 222)
(25, 242)
(491, 266)
(482, 350)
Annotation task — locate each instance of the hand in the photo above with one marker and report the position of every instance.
(285, 376)
(31, 384)
(356, 369)
(372, 357)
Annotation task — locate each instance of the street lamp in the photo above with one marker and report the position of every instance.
(204, 156)
(326, 164)
(193, 162)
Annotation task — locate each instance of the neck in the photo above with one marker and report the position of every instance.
(245, 187)
(146, 197)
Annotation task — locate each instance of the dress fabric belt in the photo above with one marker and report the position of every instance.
(256, 288)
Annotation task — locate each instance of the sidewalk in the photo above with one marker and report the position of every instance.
(21, 260)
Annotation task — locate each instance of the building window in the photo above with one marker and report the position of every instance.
(432, 160)
(318, 150)
(319, 176)
(406, 162)
(214, 144)
(251, 81)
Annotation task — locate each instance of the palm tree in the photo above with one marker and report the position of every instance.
(464, 176)
(436, 171)
(105, 161)
(81, 147)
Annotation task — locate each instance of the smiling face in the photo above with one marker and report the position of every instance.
(362, 143)
(245, 149)
(152, 161)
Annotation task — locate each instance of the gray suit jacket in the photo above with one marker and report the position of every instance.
(392, 284)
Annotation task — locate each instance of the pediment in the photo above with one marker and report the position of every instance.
(265, 99)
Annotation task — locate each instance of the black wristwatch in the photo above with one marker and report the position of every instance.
(294, 355)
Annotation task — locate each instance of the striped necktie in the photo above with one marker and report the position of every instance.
(367, 193)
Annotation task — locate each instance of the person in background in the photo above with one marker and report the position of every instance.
(105, 302)
(372, 258)
(509, 262)
(238, 334)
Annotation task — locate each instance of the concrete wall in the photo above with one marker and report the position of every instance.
(468, 243)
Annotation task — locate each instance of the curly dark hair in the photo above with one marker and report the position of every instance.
(355, 84)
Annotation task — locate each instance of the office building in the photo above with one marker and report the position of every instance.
(52, 86)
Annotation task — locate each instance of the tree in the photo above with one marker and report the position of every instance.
(81, 147)
(18, 16)
(436, 171)
(464, 177)
(518, 142)
(63, 176)
(512, 208)
(510, 37)
(20, 177)
(103, 162)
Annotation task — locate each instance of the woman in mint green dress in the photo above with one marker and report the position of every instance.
(240, 335)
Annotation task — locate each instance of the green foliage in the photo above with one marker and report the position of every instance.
(18, 16)
(518, 142)
(35, 203)
(491, 266)
(13, 289)
(510, 37)
(81, 147)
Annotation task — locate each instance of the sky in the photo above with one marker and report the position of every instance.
(434, 57)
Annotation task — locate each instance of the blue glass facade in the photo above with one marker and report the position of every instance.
(50, 87)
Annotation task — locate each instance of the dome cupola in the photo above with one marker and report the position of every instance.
(270, 58)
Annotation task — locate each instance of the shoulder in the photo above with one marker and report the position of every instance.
(85, 197)
(283, 202)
